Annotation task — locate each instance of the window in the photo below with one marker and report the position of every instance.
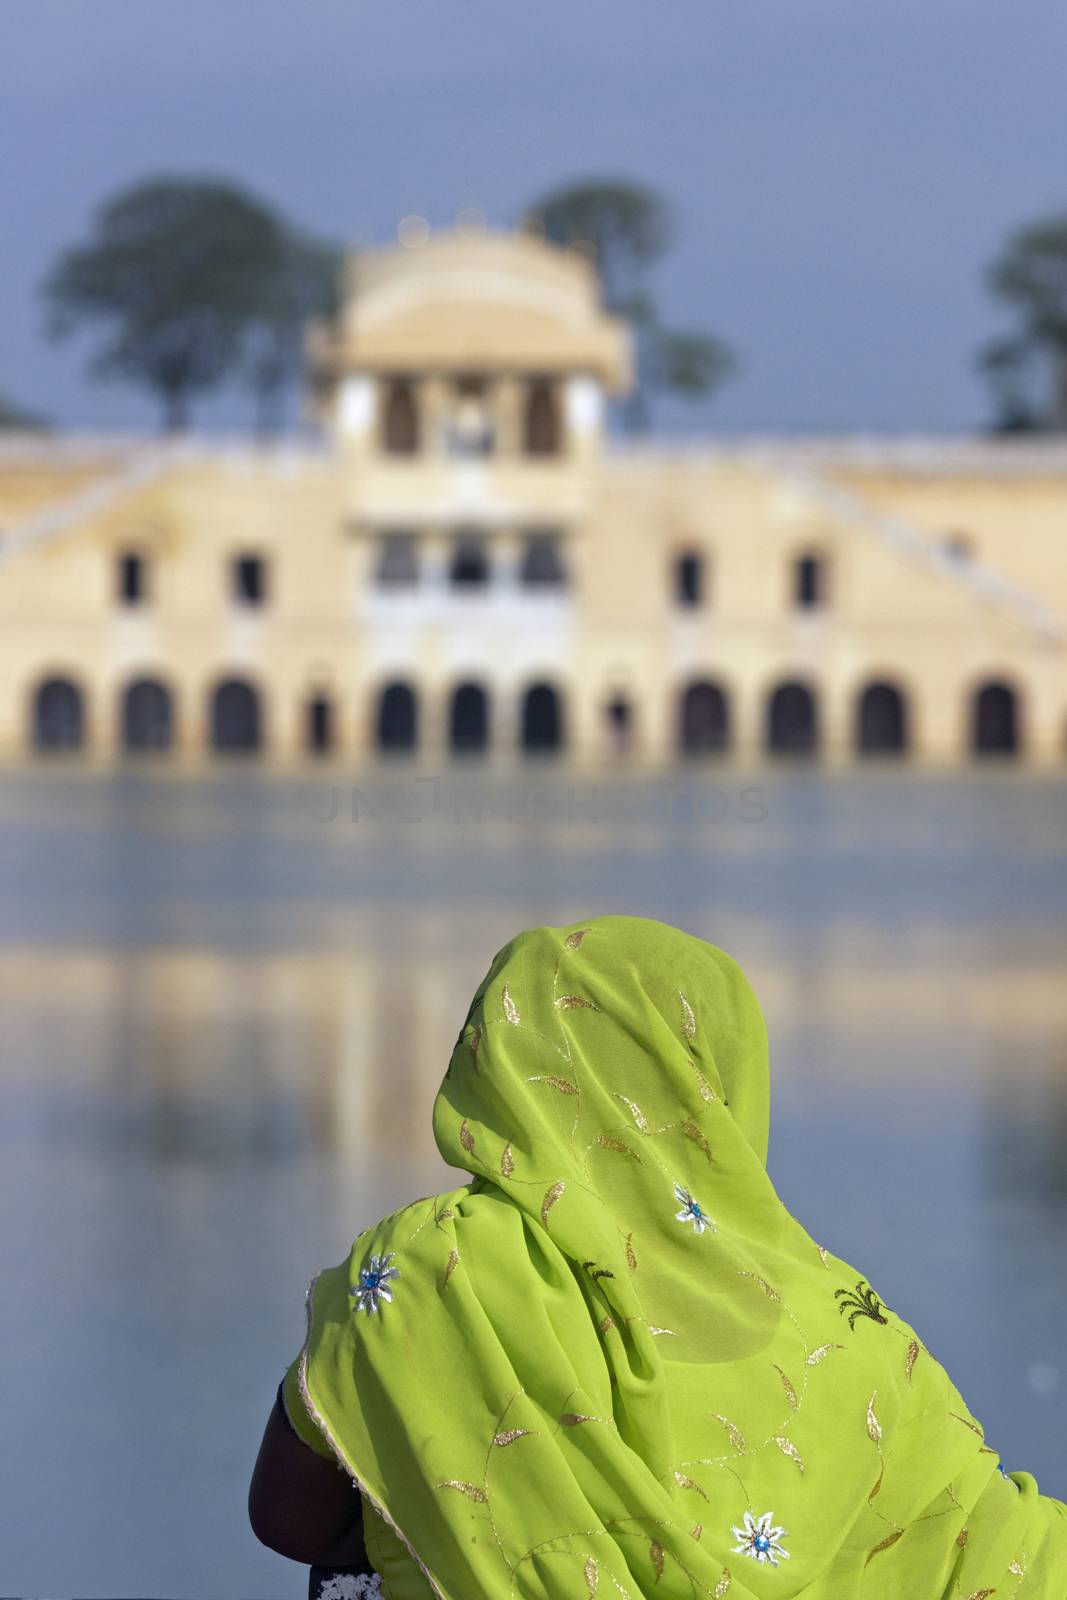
(400, 419)
(470, 566)
(689, 578)
(542, 567)
(398, 565)
(809, 582)
(249, 580)
(541, 430)
(470, 430)
(132, 579)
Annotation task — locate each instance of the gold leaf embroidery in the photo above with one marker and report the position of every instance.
(823, 1350)
(892, 1539)
(575, 1002)
(476, 1039)
(453, 1257)
(564, 1085)
(791, 1394)
(987, 1450)
(573, 940)
(507, 1161)
(737, 1438)
(609, 1141)
(689, 1021)
(878, 1485)
(706, 1091)
(606, 1323)
(967, 1423)
(874, 1427)
(722, 1585)
(652, 1329)
(441, 1215)
(685, 1482)
(772, 1294)
(592, 1571)
(697, 1531)
(655, 1550)
(1016, 1570)
(910, 1358)
(471, 1490)
(789, 1448)
(635, 1111)
(962, 1537)
(552, 1194)
(466, 1137)
(509, 1435)
(981, 1594)
(631, 1259)
(571, 1419)
(511, 1010)
(824, 1253)
(691, 1131)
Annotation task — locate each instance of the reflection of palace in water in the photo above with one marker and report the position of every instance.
(466, 565)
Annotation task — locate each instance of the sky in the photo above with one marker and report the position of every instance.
(842, 171)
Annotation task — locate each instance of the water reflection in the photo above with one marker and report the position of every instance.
(225, 1022)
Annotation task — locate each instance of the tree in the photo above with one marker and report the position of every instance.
(1028, 369)
(628, 228)
(177, 269)
(304, 284)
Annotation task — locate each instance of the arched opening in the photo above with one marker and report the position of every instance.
(792, 722)
(468, 720)
(882, 720)
(319, 725)
(147, 716)
(619, 716)
(541, 433)
(809, 581)
(704, 723)
(400, 425)
(397, 728)
(235, 717)
(542, 719)
(469, 567)
(995, 720)
(689, 584)
(58, 715)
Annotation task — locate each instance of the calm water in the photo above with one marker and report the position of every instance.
(227, 1005)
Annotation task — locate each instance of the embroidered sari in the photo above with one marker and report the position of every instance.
(612, 1363)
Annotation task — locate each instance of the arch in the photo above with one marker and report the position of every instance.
(468, 719)
(400, 419)
(541, 432)
(469, 566)
(704, 718)
(147, 716)
(58, 715)
(542, 719)
(236, 723)
(398, 717)
(881, 719)
(995, 719)
(319, 724)
(792, 720)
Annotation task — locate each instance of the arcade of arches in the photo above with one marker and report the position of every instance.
(147, 721)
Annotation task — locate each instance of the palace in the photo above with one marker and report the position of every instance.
(467, 564)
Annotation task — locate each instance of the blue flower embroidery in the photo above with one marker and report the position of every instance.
(691, 1212)
(372, 1282)
(759, 1539)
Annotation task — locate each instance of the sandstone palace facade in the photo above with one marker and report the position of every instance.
(466, 565)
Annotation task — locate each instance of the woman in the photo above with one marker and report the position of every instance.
(612, 1363)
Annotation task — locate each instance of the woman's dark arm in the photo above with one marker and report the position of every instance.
(302, 1505)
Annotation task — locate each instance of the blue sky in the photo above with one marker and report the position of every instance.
(842, 169)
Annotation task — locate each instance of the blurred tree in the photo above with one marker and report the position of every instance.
(178, 268)
(1028, 369)
(304, 284)
(627, 228)
(13, 416)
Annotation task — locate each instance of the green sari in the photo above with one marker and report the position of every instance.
(612, 1363)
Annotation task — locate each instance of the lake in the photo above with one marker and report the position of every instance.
(228, 1000)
